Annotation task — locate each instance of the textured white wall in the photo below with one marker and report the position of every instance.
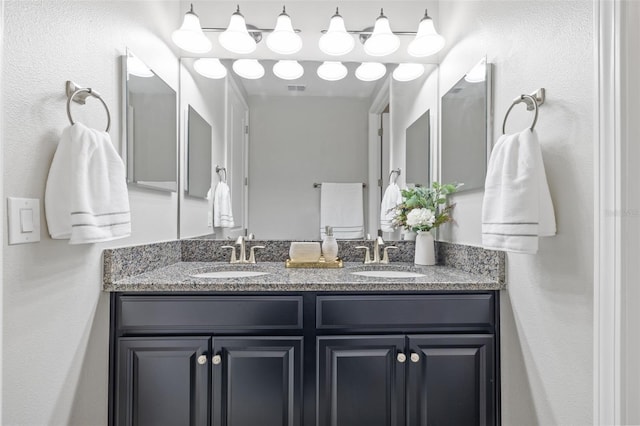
(547, 342)
(294, 142)
(55, 351)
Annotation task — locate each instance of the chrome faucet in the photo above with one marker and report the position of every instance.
(377, 243)
(241, 241)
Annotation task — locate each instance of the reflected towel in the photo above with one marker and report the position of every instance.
(222, 211)
(342, 208)
(86, 198)
(392, 197)
(517, 206)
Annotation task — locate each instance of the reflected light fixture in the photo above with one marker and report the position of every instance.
(283, 39)
(478, 73)
(427, 41)
(250, 69)
(370, 71)
(288, 69)
(236, 38)
(408, 72)
(332, 71)
(189, 36)
(136, 67)
(382, 41)
(210, 68)
(336, 41)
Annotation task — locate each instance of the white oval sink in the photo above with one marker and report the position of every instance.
(388, 274)
(230, 274)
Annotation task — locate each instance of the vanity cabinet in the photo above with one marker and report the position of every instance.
(312, 359)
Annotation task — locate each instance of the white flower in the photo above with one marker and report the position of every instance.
(420, 217)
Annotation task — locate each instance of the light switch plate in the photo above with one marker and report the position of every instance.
(24, 220)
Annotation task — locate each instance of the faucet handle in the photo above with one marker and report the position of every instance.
(233, 253)
(252, 253)
(385, 256)
(367, 258)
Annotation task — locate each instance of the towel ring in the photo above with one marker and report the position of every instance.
(530, 100)
(222, 169)
(397, 172)
(95, 95)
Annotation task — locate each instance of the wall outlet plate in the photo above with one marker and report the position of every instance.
(24, 220)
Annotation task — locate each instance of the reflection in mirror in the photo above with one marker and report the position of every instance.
(302, 132)
(418, 148)
(151, 147)
(464, 131)
(198, 156)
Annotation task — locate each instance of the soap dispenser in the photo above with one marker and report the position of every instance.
(329, 245)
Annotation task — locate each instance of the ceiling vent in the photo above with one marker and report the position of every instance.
(296, 87)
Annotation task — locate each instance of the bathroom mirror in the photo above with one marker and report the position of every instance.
(150, 150)
(300, 133)
(198, 149)
(418, 164)
(464, 143)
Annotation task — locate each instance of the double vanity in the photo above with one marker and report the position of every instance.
(196, 340)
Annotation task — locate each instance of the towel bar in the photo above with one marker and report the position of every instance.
(81, 94)
(533, 101)
(319, 185)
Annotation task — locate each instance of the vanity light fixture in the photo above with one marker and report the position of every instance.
(189, 36)
(382, 41)
(236, 38)
(210, 68)
(332, 71)
(250, 69)
(428, 41)
(370, 71)
(408, 72)
(478, 73)
(283, 39)
(288, 69)
(336, 41)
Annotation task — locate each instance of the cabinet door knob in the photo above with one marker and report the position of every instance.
(415, 357)
(401, 357)
(216, 360)
(202, 359)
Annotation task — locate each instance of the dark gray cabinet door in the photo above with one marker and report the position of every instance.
(451, 380)
(258, 381)
(160, 381)
(360, 381)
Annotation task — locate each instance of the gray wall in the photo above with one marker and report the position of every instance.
(56, 318)
(294, 142)
(547, 311)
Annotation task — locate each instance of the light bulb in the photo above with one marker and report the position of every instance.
(250, 69)
(382, 41)
(427, 41)
(370, 71)
(283, 39)
(210, 68)
(332, 71)
(288, 70)
(236, 38)
(189, 36)
(336, 41)
(408, 72)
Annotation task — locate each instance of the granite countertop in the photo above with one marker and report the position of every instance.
(178, 277)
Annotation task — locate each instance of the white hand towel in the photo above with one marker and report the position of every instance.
(342, 208)
(222, 212)
(517, 206)
(86, 198)
(392, 197)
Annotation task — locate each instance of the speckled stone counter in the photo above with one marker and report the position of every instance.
(170, 266)
(179, 277)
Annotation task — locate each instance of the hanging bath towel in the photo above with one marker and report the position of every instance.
(342, 208)
(86, 197)
(517, 206)
(392, 197)
(222, 211)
